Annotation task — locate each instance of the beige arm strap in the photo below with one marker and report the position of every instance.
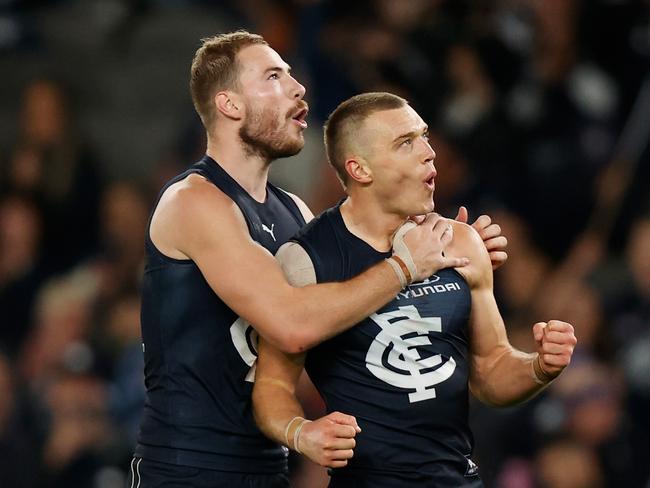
(296, 264)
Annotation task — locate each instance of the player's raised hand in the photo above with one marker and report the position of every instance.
(421, 246)
(490, 232)
(329, 441)
(555, 343)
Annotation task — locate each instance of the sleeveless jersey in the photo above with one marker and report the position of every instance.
(402, 372)
(198, 352)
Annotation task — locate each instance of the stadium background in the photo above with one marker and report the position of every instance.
(538, 116)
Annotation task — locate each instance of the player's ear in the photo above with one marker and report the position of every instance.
(358, 170)
(229, 104)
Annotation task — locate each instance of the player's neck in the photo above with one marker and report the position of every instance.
(370, 223)
(249, 170)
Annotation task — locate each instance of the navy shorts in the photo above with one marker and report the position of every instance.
(145, 473)
(398, 480)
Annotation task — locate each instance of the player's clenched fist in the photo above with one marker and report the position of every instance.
(555, 343)
(329, 441)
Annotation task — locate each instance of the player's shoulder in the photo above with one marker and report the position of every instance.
(466, 237)
(193, 197)
(468, 243)
(195, 190)
(318, 228)
(189, 210)
(302, 206)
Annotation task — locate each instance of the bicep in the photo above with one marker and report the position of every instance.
(488, 337)
(214, 234)
(487, 330)
(242, 272)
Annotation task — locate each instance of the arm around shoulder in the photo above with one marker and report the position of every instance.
(207, 227)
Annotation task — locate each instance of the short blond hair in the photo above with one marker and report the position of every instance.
(215, 68)
(345, 121)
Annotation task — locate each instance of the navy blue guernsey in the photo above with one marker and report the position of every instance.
(402, 372)
(198, 352)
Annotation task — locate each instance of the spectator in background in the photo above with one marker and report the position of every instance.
(78, 439)
(564, 108)
(59, 338)
(516, 293)
(631, 329)
(126, 391)
(472, 118)
(592, 399)
(567, 463)
(123, 211)
(53, 166)
(631, 304)
(21, 268)
(19, 464)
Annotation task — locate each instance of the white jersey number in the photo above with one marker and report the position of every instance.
(244, 337)
(395, 355)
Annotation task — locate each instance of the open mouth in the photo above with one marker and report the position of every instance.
(300, 116)
(430, 181)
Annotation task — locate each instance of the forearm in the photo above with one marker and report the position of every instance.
(328, 441)
(306, 313)
(508, 379)
(274, 407)
(325, 310)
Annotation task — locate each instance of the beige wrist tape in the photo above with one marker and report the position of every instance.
(399, 271)
(540, 376)
(401, 251)
(296, 436)
(286, 430)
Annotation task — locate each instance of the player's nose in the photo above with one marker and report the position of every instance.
(298, 91)
(429, 154)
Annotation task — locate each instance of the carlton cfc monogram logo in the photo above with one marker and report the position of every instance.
(395, 356)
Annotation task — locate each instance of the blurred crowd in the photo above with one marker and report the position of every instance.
(538, 111)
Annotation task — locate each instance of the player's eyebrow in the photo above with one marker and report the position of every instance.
(411, 134)
(286, 68)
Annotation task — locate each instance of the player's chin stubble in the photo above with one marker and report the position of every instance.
(262, 135)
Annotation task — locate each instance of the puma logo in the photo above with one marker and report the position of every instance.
(270, 231)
